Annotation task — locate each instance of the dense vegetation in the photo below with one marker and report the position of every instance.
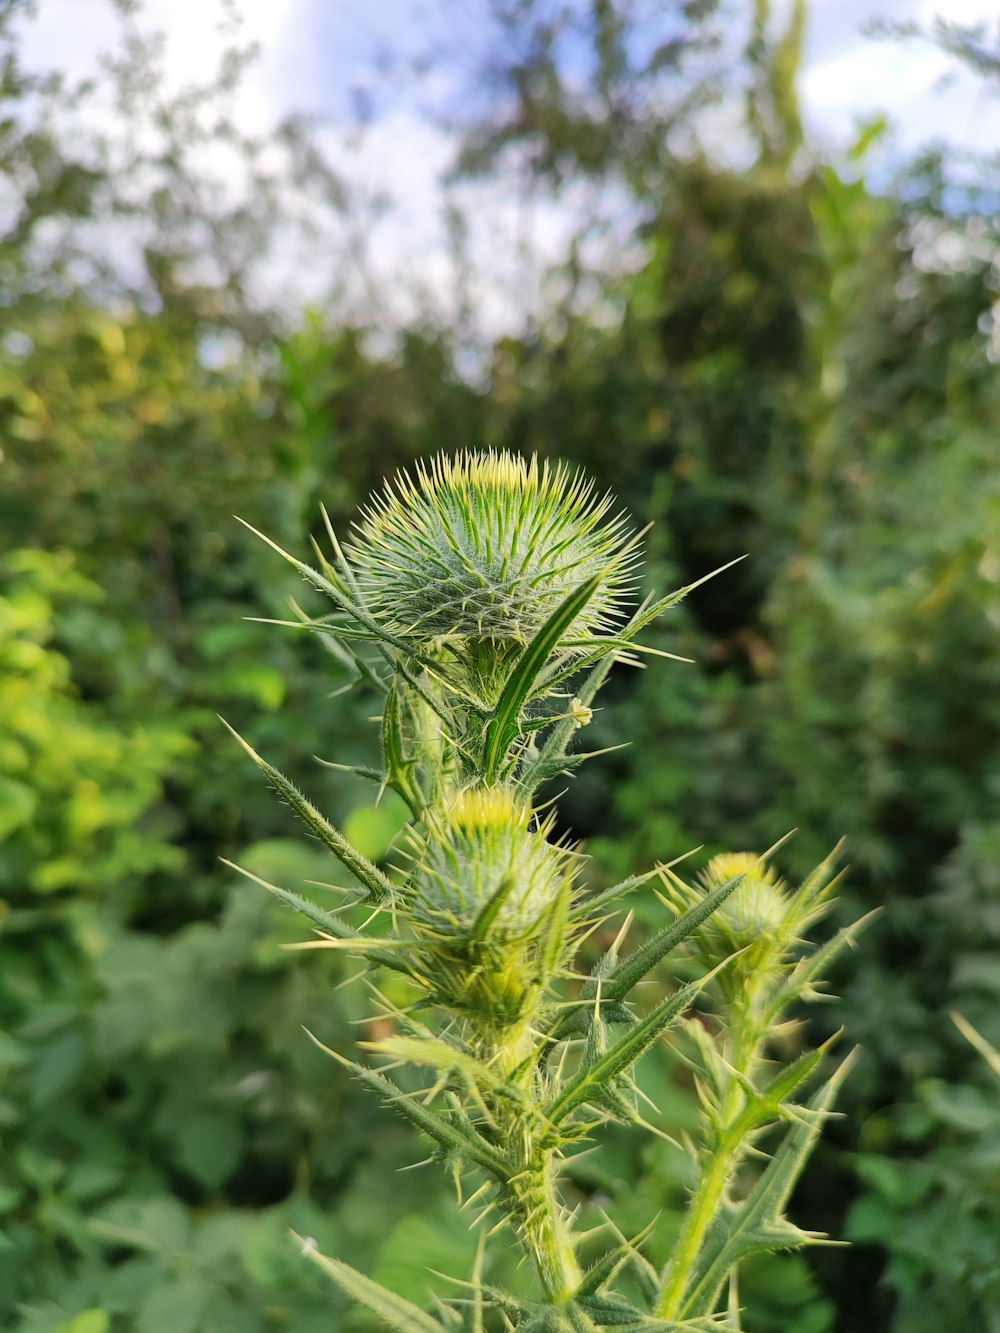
(799, 369)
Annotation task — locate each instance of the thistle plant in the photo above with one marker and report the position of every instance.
(485, 601)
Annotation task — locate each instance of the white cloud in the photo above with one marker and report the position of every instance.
(71, 35)
(849, 77)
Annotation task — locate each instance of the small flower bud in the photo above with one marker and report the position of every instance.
(748, 922)
(482, 861)
(756, 908)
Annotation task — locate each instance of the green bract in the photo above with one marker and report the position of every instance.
(483, 603)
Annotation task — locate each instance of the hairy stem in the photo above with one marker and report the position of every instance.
(543, 1230)
(716, 1173)
(701, 1211)
(532, 1200)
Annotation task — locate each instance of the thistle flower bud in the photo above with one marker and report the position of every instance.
(482, 865)
(751, 919)
(757, 907)
(483, 547)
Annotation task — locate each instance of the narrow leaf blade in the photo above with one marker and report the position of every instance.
(446, 1133)
(377, 884)
(553, 753)
(326, 922)
(587, 1082)
(395, 1312)
(436, 1053)
(399, 769)
(505, 723)
(632, 969)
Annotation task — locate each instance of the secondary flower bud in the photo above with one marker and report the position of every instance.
(749, 922)
(756, 908)
(482, 862)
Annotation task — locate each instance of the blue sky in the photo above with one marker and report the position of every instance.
(325, 47)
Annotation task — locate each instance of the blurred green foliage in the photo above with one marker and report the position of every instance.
(798, 371)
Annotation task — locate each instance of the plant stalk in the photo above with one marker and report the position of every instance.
(711, 1189)
(543, 1231)
(536, 1210)
(701, 1211)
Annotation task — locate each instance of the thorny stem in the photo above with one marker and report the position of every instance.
(486, 915)
(703, 1207)
(544, 1232)
(533, 1197)
(708, 1197)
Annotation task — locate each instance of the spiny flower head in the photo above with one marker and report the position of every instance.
(483, 861)
(752, 921)
(758, 907)
(484, 546)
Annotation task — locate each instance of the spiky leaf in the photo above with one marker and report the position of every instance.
(454, 1137)
(758, 1223)
(373, 950)
(395, 1312)
(399, 768)
(639, 964)
(589, 1081)
(377, 884)
(444, 1056)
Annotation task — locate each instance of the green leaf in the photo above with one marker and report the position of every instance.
(341, 650)
(789, 1080)
(437, 1053)
(552, 756)
(645, 958)
(395, 1312)
(609, 1309)
(653, 1325)
(399, 769)
(757, 1224)
(330, 925)
(358, 770)
(553, 940)
(603, 1270)
(588, 1082)
(487, 914)
(506, 721)
(377, 884)
(453, 1137)
(808, 970)
(472, 1320)
(818, 885)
